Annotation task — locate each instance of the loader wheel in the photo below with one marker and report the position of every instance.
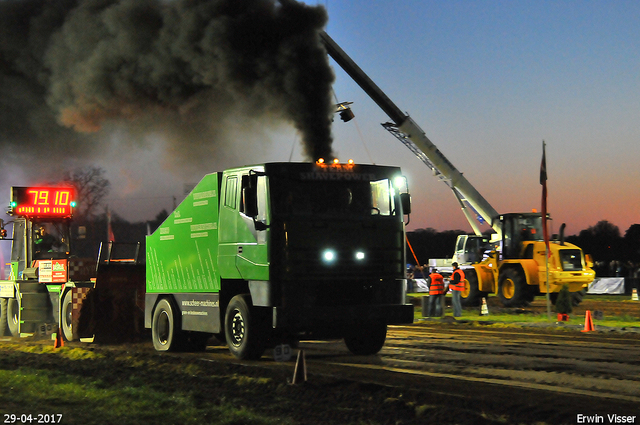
(366, 340)
(13, 316)
(4, 330)
(512, 288)
(66, 316)
(471, 294)
(245, 331)
(166, 331)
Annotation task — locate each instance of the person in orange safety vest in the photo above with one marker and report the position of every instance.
(436, 295)
(456, 285)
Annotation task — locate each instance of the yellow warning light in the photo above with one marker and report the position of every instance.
(336, 161)
(350, 162)
(533, 210)
(320, 161)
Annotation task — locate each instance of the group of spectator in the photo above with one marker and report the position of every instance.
(438, 289)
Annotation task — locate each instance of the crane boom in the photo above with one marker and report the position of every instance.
(411, 135)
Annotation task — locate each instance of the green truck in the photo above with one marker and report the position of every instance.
(278, 253)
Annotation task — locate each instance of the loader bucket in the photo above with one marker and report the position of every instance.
(113, 311)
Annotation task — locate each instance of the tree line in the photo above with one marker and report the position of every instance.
(613, 253)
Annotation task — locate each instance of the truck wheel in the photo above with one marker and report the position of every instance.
(244, 329)
(471, 294)
(4, 330)
(366, 340)
(512, 288)
(66, 323)
(166, 332)
(13, 316)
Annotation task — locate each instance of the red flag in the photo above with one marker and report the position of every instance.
(543, 182)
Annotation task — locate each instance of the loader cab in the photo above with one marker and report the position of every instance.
(519, 228)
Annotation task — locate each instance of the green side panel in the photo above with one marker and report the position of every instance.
(182, 253)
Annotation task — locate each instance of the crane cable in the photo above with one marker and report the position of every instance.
(412, 251)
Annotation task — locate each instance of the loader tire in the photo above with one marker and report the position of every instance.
(166, 329)
(512, 288)
(366, 340)
(4, 330)
(13, 316)
(66, 316)
(471, 295)
(245, 329)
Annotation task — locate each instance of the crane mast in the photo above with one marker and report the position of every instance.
(413, 137)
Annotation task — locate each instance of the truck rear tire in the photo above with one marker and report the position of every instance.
(471, 294)
(366, 340)
(512, 288)
(13, 316)
(166, 331)
(4, 330)
(66, 323)
(244, 330)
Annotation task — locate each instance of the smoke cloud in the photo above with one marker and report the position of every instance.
(73, 73)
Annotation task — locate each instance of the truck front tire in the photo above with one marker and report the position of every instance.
(366, 340)
(245, 332)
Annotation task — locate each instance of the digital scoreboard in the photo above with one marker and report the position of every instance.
(43, 201)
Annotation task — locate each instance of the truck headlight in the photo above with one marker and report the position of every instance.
(329, 256)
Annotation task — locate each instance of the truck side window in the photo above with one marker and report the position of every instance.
(231, 192)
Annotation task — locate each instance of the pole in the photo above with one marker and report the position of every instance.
(546, 261)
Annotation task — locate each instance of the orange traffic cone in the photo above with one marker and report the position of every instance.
(59, 341)
(300, 371)
(588, 323)
(634, 295)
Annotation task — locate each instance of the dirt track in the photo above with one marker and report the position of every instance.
(430, 372)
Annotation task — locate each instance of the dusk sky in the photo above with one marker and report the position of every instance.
(487, 81)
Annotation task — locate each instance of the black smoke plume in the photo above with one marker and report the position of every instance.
(72, 70)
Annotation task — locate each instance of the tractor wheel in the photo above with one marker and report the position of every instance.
(13, 316)
(471, 294)
(166, 331)
(366, 340)
(66, 316)
(512, 288)
(245, 329)
(4, 330)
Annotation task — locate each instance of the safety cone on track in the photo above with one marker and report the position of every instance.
(588, 323)
(59, 341)
(634, 295)
(300, 371)
(484, 311)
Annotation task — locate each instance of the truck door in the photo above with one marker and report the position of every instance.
(243, 248)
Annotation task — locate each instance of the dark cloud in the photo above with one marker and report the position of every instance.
(71, 71)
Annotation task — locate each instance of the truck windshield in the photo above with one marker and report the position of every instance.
(332, 198)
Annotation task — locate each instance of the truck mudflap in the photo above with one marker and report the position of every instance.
(113, 311)
(327, 317)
